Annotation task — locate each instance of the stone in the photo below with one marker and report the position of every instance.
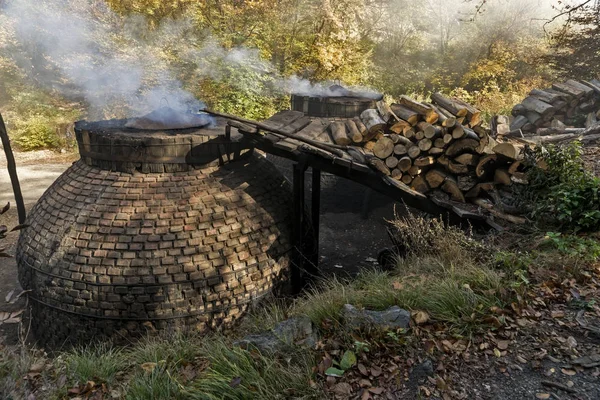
(392, 318)
(297, 331)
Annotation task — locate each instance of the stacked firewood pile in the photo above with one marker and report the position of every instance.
(572, 104)
(440, 149)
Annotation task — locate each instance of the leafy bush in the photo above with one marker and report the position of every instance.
(564, 193)
(36, 133)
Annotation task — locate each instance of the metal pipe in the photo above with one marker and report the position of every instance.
(12, 171)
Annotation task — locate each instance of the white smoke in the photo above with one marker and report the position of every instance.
(82, 48)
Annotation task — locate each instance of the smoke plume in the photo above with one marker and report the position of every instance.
(119, 66)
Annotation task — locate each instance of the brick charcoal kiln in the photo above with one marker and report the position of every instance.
(154, 229)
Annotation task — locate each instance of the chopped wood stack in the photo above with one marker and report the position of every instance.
(572, 104)
(436, 148)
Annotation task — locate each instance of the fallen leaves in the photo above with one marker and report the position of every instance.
(420, 317)
(7, 317)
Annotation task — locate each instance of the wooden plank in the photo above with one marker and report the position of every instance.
(282, 119)
(297, 125)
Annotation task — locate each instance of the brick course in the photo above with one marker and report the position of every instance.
(111, 254)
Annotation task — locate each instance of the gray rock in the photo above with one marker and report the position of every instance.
(297, 331)
(392, 318)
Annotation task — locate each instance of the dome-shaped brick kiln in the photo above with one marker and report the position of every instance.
(153, 230)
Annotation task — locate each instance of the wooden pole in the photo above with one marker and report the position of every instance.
(12, 172)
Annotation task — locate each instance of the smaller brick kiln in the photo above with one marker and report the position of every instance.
(160, 230)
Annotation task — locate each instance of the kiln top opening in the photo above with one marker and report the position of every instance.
(335, 102)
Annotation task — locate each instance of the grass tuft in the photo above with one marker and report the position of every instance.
(98, 363)
(235, 373)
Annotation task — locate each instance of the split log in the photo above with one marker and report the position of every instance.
(454, 107)
(473, 114)
(399, 127)
(379, 165)
(427, 129)
(383, 148)
(462, 146)
(408, 115)
(391, 162)
(434, 151)
(466, 183)
(414, 171)
(396, 174)
(518, 122)
(414, 152)
(451, 166)
(395, 138)
(546, 97)
(338, 133)
(502, 176)
(515, 167)
(568, 89)
(450, 186)
(485, 165)
(404, 164)
(446, 119)
(508, 150)
(409, 133)
(426, 112)
(424, 161)
(373, 123)
(425, 144)
(386, 112)
(400, 150)
(533, 117)
(435, 178)
(447, 138)
(439, 142)
(353, 132)
(595, 87)
(420, 185)
(407, 179)
(420, 135)
(588, 91)
(538, 106)
(458, 132)
(369, 145)
(517, 110)
(470, 160)
(360, 126)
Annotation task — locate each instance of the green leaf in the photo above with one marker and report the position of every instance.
(348, 360)
(332, 371)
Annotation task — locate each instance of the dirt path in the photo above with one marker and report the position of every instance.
(35, 176)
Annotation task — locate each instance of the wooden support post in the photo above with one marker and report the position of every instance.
(298, 227)
(316, 219)
(11, 166)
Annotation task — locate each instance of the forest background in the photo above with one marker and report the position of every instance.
(64, 60)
